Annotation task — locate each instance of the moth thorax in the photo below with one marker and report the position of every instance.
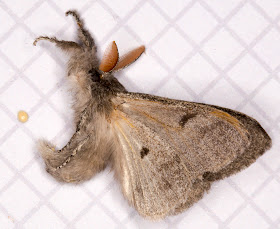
(94, 74)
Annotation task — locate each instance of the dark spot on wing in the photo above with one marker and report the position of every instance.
(144, 151)
(177, 159)
(208, 176)
(166, 184)
(139, 189)
(185, 118)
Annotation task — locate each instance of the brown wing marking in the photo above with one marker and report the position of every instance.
(230, 119)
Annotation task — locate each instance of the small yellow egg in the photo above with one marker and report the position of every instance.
(22, 116)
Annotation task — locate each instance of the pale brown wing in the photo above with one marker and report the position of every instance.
(167, 147)
(145, 174)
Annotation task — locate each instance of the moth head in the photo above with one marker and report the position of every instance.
(111, 62)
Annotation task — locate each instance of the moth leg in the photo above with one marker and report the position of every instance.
(83, 34)
(64, 45)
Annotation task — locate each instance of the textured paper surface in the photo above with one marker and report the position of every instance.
(218, 52)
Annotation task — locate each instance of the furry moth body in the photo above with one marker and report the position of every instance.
(165, 153)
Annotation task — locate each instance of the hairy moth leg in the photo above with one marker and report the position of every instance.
(83, 34)
(64, 45)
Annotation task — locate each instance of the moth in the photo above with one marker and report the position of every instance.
(165, 153)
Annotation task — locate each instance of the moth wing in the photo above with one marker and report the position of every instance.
(144, 174)
(168, 149)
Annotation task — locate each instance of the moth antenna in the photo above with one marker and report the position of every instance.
(110, 58)
(129, 58)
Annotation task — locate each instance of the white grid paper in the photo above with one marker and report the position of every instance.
(218, 52)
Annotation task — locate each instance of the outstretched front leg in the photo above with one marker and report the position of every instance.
(64, 45)
(83, 34)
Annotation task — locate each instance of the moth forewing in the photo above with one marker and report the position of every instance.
(209, 142)
(165, 153)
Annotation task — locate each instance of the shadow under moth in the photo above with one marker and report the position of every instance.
(165, 153)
